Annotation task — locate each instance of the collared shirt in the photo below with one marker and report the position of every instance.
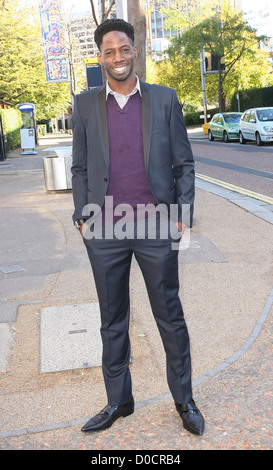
(122, 99)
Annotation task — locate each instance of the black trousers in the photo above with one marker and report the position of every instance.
(111, 260)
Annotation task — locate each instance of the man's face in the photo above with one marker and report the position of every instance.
(117, 54)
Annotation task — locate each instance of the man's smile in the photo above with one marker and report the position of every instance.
(120, 68)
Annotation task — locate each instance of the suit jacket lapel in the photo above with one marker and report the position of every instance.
(146, 111)
(103, 121)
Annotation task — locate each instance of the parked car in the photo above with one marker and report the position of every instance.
(256, 124)
(224, 126)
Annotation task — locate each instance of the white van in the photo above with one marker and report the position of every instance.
(256, 124)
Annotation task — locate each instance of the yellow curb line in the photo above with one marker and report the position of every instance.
(232, 187)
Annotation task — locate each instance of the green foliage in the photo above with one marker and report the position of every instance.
(12, 121)
(22, 72)
(224, 33)
(254, 98)
(193, 118)
(182, 74)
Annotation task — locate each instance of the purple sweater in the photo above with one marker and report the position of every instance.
(128, 182)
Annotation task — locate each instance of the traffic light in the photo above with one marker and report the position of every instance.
(211, 63)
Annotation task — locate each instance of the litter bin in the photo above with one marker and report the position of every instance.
(206, 128)
(57, 172)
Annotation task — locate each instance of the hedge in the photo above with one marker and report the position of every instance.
(254, 98)
(192, 119)
(12, 122)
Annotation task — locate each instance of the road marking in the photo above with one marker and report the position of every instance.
(231, 166)
(237, 189)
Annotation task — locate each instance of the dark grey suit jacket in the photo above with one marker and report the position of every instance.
(168, 157)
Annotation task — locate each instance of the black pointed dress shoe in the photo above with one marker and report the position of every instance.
(192, 418)
(108, 416)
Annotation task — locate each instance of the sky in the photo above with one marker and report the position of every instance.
(255, 12)
(259, 14)
(82, 4)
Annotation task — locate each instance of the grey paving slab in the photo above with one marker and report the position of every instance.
(70, 337)
(198, 249)
(8, 311)
(45, 410)
(6, 344)
(252, 205)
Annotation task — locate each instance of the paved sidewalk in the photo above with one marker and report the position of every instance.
(49, 325)
(196, 132)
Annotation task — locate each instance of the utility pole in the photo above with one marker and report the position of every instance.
(203, 81)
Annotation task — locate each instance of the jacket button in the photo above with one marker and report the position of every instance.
(105, 178)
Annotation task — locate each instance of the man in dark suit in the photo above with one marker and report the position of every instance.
(131, 151)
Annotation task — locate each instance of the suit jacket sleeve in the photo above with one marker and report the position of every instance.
(183, 163)
(79, 164)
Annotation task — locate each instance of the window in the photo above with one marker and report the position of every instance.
(246, 116)
(232, 117)
(252, 117)
(265, 115)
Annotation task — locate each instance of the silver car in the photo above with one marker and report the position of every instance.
(256, 124)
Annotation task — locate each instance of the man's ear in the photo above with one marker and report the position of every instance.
(135, 52)
(99, 58)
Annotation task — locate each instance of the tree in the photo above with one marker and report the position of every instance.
(226, 36)
(181, 73)
(77, 70)
(2, 5)
(136, 16)
(22, 72)
(106, 8)
(221, 30)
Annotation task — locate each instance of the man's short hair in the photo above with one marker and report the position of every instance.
(115, 24)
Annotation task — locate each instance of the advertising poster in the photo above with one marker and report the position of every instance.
(56, 62)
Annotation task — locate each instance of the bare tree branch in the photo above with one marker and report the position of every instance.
(104, 15)
(94, 12)
(233, 62)
(2, 5)
(112, 3)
